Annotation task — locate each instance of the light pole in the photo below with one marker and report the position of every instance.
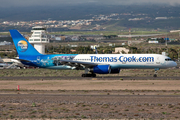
(178, 55)
(166, 39)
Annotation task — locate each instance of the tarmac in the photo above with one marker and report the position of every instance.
(90, 78)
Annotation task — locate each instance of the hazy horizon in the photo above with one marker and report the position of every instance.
(25, 3)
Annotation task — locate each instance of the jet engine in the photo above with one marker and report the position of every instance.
(115, 71)
(101, 69)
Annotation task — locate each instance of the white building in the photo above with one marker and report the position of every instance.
(5, 43)
(58, 38)
(161, 18)
(120, 49)
(1, 61)
(75, 38)
(39, 38)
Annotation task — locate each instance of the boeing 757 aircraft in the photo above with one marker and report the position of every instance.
(91, 63)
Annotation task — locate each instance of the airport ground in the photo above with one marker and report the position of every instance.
(131, 94)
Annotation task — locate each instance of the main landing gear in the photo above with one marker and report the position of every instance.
(88, 75)
(155, 72)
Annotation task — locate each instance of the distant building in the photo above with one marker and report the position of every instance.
(174, 31)
(123, 44)
(153, 42)
(5, 43)
(63, 38)
(72, 50)
(93, 46)
(1, 61)
(136, 19)
(4, 36)
(64, 26)
(161, 18)
(75, 38)
(120, 49)
(58, 38)
(89, 38)
(74, 45)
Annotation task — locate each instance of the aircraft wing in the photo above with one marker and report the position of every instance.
(22, 60)
(78, 64)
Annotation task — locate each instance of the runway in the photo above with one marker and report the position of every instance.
(90, 95)
(90, 78)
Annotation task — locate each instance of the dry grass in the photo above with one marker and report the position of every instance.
(92, 85)
(49, 72)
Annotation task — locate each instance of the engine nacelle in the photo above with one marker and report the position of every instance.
(101, 69)
(115, 71)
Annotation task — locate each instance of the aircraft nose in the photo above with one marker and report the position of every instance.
(174, 64)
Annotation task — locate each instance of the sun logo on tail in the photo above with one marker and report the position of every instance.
(22, 46)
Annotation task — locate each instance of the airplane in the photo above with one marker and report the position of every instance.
(1, 61)
(3, 65)
(91, 63)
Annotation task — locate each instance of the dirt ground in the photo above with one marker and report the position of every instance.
(91, 84)
(90, 99)
(33, 106)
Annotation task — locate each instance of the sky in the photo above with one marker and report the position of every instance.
(25, 3)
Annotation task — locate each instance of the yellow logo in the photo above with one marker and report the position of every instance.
(22, 45)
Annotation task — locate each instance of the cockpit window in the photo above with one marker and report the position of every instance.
(168, 59)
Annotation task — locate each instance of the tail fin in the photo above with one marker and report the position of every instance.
(23, 47)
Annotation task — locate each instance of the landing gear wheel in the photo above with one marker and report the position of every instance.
(88, 75)
(93, 75)
(155, 72)
(155, 75)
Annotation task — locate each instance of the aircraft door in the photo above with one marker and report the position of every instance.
(157, 60)
(163, 61)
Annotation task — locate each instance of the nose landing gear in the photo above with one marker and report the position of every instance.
(155, 72)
